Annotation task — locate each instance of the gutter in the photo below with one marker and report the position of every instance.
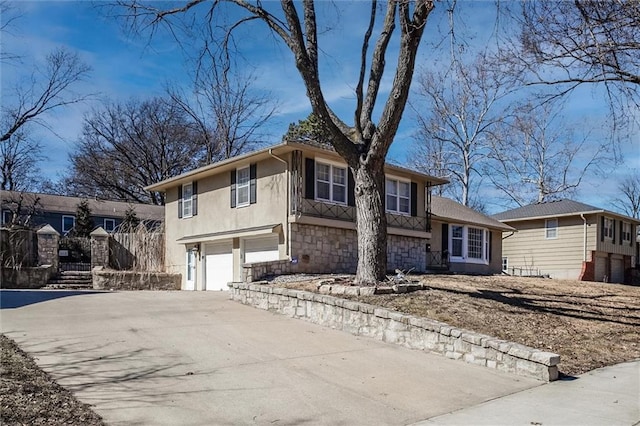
(287, 242)
(584, 237)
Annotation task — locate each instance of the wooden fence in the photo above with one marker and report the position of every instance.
(140, 250)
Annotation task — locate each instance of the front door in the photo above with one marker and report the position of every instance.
(191, 270)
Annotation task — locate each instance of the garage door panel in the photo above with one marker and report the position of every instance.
(218, 266)
(261, 249)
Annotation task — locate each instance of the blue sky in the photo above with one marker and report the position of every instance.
(127, 66)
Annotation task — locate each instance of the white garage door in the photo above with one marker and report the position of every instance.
(218, 266)
(261, 249)
(617, 270)
(600, 269)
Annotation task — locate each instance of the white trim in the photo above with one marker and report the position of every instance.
(332, 165)
(610, 228)
(398, 180)
(465, 245)
(548, 228)
(247, 185)
(185, 199)
(64, 216)
(104, 224)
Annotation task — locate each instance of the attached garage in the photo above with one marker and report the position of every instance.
(218, 265)
(261, 249)
(601, 270)
(617, 270)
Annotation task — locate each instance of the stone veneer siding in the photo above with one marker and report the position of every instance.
(394, 327)
(107, 279)
(324, 249)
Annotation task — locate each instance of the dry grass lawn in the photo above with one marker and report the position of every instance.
(589, 324)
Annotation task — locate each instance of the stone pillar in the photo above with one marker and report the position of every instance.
(99, 248)
(48, 239)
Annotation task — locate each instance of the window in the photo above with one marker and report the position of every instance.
(7, 216)
(469, 244)
(242, 187)
(456, 240)
(398, 196)
(331, 183)
(626, 232)
(68, 222)
(109, 225)
(505, 264)
(475, 243)
(187, 200)
(551, 228)
(608, 228)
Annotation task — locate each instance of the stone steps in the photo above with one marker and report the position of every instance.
(71, 279)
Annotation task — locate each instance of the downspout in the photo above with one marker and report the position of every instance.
(287, 240)
(584, 237)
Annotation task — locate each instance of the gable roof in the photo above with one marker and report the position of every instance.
(271, 151)
(452, 211)
(68, 205)
(554, 208)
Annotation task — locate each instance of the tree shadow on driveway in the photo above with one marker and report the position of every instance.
(12, 299)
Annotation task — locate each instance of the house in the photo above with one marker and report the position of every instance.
(292, 202)
(59, 211)
(464, 240)
(569, 239)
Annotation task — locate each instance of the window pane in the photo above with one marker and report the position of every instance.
(322, 172)
(67, 223)
(405, 189)
(242, 176)
(186, 207)
(187, 191)
(243, 194)
(456, 241)
(475, 243)
(323, 190)
(339, 176)
(392, 202)
(404, 205)
(456, 231)
(392, 187)
(339, 194)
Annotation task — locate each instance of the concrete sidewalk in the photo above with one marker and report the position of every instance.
(196, 358)
(607, 396)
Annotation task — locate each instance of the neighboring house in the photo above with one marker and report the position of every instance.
(568, 239)
(292, 202)
(59, 211)
(464, 240)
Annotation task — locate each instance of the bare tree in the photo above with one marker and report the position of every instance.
(568, 44)
(364, 145)
(19, 158)
(23, 206)
(48, 89)
(628, 199)
(135, 144)
(226, 110)
(539, 158)
(460, 111)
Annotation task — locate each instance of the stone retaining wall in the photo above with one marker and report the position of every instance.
(382, 324)
(256, 271)
(129, 280)
(27, 278)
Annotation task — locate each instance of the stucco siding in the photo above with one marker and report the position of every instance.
(215, 214)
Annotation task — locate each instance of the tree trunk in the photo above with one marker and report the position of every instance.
(371, 223)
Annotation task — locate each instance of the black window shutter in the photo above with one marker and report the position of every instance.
(621, 231)
(252, 183)
(445, 238)
(351, 189)
(601, 228)
(633, 234)
(490, 245)
(414, 199)
(180, 201)
(310, 179)
(194, 198)
(613, 230)
(233, 188)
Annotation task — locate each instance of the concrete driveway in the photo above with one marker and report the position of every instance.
(196, 358)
